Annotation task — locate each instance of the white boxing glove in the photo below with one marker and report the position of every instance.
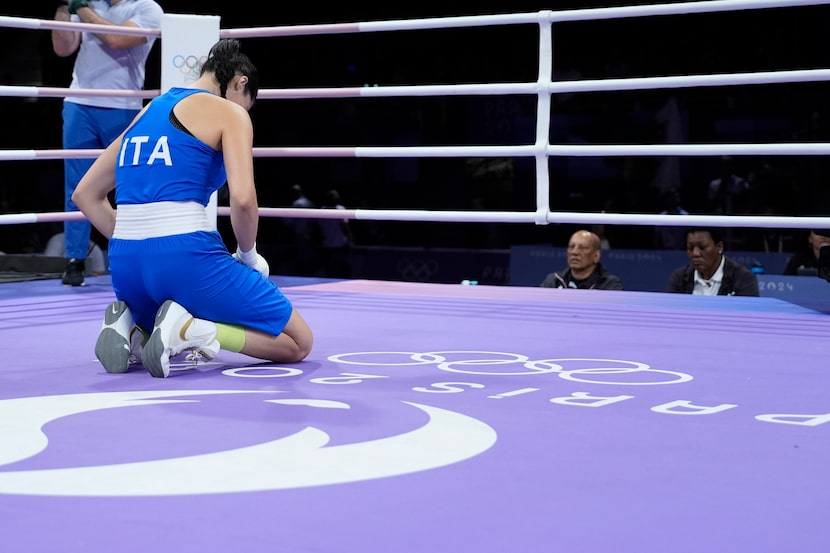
(252, 259)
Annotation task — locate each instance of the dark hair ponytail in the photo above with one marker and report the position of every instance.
(225, 61)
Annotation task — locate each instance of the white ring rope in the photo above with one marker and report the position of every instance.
(576, 150)
(49, 24)
(542, 88)
(51, 92)
(525, 217)
(488, 89)
(749, 221)
(517, 18)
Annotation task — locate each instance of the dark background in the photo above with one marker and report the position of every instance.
(727, 42)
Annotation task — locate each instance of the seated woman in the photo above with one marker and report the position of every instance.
(709, 272)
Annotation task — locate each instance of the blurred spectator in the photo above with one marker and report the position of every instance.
(768, 187)
(305, 235)
(709, 272)
(584, 271)
(671, 237)
(599, 230)
(337, 240)
(302, 228)
(728, 191)
(729, 195)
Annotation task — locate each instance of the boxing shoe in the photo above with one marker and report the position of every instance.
(119, 342)
(73, 274)
(175, 331)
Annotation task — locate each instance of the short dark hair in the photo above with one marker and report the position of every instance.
(715, 232)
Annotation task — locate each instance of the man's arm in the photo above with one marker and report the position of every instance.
(64, 43)
(114, 41)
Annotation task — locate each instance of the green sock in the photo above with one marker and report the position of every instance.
(231, 337)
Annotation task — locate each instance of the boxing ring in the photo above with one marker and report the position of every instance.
(434, 417)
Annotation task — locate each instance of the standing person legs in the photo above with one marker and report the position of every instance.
(77, 133)
(84, 127)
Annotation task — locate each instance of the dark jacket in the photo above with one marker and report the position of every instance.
(802, 263)
(737, 280)
(600, 279)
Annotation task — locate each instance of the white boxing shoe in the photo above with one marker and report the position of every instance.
(175, 331)
(120, 341)
(113, 345)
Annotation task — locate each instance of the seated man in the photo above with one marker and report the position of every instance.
(824, 257)
(805, 262)
(584, 269)
(709, 272)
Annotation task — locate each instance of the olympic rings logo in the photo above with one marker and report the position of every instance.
(488, 363)
(190, 66)
(417, 270)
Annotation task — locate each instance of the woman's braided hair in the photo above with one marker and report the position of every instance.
(225, 61)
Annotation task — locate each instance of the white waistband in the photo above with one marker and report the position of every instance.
(140, 221)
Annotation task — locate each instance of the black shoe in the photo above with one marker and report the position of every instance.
(73, 275)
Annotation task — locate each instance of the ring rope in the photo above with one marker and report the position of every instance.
(543, 87)
(50, 24)
(575, 150)
(634, 219)
(52, 92)
(488, 89)
(548, 16)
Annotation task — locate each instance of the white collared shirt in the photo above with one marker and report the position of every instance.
(709, 287)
